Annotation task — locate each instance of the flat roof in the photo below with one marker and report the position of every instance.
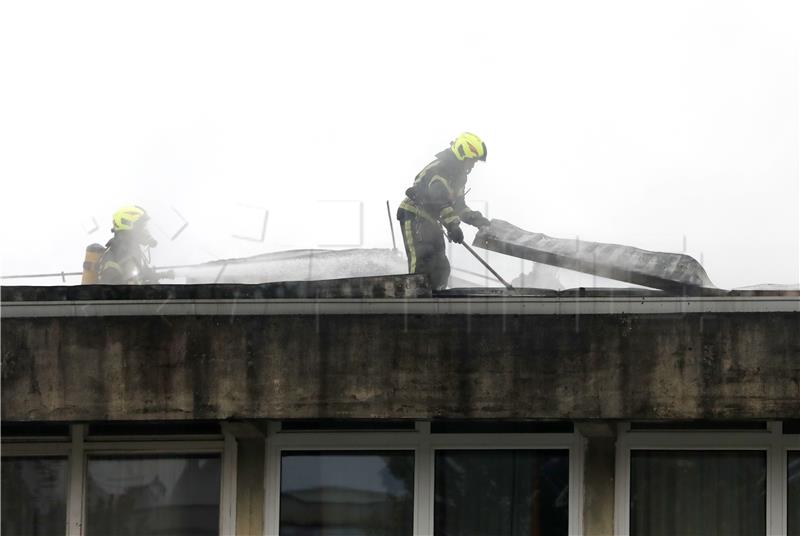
(407, 294)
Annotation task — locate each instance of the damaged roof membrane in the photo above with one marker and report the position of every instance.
(674, 273)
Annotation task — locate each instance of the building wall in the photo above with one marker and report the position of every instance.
(416, 366)
(598, 499)
(698, 403)
(250, 486)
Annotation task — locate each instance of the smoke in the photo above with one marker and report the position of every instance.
(297, 265)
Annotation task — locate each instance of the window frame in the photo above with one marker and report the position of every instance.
(772, 441)
(424, 444)
(79, 447)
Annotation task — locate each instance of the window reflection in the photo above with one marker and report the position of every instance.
(698, 492)
(34, 492)
(347, 493)
(501, 492)
(153, 495)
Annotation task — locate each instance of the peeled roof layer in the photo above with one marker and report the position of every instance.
(672, 272)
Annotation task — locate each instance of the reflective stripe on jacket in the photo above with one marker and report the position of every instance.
(438, 192)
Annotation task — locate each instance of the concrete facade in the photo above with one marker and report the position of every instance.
(250, 486)
(692, 366)
(252, 356)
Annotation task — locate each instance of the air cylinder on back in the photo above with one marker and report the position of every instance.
(93, 254)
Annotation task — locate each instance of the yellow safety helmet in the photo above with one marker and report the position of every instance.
(126, 218)
(468, 145)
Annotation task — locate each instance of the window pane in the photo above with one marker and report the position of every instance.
(793, 498)
(698, 492)
(34, 492)
(153, 495)
(347, 493)
(501, 492)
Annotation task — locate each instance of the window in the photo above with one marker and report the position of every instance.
(34, 492)
(347, 492)
(718, 480)
(402, 482)
(698, 492)
(176, 495)
(176, 482)
(501, 492)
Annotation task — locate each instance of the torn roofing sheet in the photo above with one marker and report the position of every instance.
(672, 272)
(299, 265)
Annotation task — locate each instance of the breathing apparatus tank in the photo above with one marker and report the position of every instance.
(90, 268)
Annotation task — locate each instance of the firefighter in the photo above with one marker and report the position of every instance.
(437, 200)
(126, 260)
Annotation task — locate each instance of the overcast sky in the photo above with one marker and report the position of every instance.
(660, 125)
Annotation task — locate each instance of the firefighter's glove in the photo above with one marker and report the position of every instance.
(455, 234)
(475, 218)
(481, 221)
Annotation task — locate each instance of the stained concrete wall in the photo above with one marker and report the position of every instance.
(720, 366)
(250, 487)
(598, 477)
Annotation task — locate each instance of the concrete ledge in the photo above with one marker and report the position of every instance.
(491, 305)
(413, 366)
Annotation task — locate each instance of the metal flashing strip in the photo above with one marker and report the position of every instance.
(419, 306)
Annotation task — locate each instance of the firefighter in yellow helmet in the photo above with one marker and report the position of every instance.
(437, 200)
(126, 260)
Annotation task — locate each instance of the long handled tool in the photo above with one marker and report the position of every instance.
(484, 263)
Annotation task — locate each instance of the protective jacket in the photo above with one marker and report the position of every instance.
(125, 263)
(438, 194)
(436, 199)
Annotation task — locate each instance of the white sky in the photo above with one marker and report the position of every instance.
(640, 123)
